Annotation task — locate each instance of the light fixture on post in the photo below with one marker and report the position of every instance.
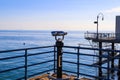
(96, 22)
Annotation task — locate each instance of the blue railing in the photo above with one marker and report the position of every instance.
(102, 36)
(86, 61)
(25, 63)
(21, 64)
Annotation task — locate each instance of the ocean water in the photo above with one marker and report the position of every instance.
(25, 39)
(16, 39)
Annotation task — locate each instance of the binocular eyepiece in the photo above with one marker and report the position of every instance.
(58, 33)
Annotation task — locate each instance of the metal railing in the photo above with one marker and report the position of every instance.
(84, 62)
(24, 63)
(21, 64)
(104, 36)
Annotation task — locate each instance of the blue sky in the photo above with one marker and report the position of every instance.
(57, 14)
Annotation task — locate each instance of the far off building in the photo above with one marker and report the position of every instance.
(117, 27)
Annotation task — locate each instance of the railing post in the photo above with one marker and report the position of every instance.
(78, 54)
(100, 60)
(112, 61)
(108, 66)
(54, 58)
(59, 45)
(25, 64)
(118, 73)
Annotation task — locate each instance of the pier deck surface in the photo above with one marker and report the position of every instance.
(53, 77)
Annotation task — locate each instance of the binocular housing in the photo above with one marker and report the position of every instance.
(58, 33)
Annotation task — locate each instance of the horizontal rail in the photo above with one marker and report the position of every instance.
(74, 47)
(88, 48)
(69, 62)
(12, 57)
(75, 53)
(12, 69)
(5, 51)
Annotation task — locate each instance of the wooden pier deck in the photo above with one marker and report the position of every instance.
(53, 77)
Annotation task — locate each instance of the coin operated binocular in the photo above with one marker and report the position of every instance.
(59, 37)
(59, 34)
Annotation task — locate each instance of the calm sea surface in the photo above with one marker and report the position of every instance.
(25, 39)
(16, 39)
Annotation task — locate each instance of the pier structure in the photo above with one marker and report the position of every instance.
(101, 40)
(106, 41)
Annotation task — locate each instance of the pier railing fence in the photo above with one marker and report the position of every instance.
(21, 64)
(104, 36)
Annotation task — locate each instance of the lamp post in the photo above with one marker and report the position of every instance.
(96, 22)
(59, 37)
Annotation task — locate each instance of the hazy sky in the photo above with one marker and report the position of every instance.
(57, 14)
